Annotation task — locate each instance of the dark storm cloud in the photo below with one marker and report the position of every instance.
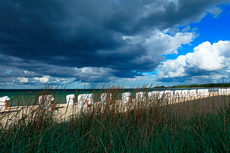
(52, 37)
(195, 71)
(190, 75)
(175, 79)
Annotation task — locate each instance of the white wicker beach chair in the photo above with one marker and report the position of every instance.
(192, 92)
(168, 93)
(106, 97)
(70, 99)
(228, 90)
(185, 93)
(46, 101)
(84, 100)
(140, 96)
(3, 103)
(178, 93)
(126, 97)
(90, 99)
(202, 92)
(153, 95)
(222, 91)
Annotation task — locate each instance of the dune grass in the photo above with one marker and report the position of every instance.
(145, 127)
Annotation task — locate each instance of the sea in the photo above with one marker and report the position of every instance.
(24, 97)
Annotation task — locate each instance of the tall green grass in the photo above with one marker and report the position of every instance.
(145, 127)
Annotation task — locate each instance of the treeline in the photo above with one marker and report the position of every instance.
(210, 85)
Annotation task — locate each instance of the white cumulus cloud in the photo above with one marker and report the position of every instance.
(43, 79)
(173, 68)
(159, 43)
(22, 79)
(206, 57)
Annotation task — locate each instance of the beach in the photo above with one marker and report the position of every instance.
(200, 104)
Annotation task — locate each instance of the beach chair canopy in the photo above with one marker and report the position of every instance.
(47, 98)
(126, 94)
(70, 96)
(4, 98)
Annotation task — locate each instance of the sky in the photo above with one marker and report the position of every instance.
(78, 44)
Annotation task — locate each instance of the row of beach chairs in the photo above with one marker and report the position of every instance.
(84, 100)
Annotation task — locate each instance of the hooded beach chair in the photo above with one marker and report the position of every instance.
(161, 94)
(3, 103)
(70, 99)
(228, 90)
(168, 93)
(90, 99)
(106, 97)
(165, 94)
(192, 93)
(46, 101)
(202, 92)
(140, 96)
(126, 97)
(178, 93)
(185, 93)
(82, 101)
(222, 91)
(153, 95)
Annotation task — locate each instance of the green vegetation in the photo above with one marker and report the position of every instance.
(148, 127)
(209, 85)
